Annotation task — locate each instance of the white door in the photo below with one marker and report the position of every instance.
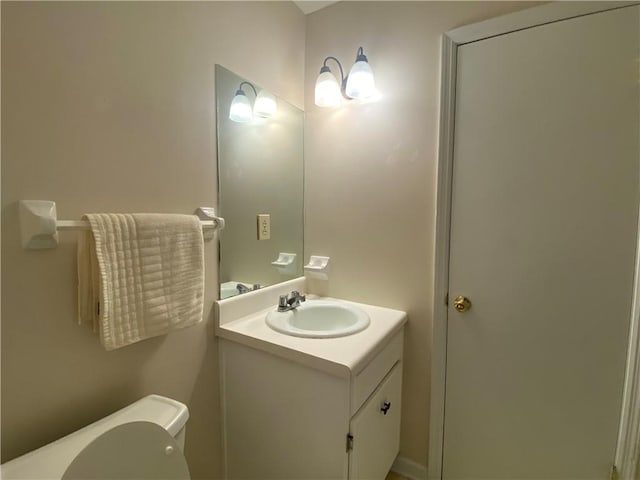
(543, 231)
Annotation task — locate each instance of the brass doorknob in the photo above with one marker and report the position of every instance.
(461, 304)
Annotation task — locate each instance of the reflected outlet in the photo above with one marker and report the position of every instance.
(264, 226)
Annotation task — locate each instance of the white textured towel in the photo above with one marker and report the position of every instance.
(140, 275)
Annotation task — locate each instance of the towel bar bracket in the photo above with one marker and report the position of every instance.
(209, 214)
(38, 228)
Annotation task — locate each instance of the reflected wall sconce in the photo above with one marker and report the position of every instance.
(358, 84)
(265, 105)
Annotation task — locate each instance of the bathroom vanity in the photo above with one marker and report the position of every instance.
(321, 408)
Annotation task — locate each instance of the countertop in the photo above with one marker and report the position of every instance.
(343, 356)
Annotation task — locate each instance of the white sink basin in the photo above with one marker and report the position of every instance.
(319, 319)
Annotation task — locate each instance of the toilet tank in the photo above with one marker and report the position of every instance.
(52, 460)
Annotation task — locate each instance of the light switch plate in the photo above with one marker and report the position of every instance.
(264, 226)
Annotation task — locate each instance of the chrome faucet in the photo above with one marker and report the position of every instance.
(244, 289)
(290, 302)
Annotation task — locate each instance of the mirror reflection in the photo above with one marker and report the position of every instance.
(260, 185)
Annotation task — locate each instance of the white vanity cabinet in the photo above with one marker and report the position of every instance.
(375, 429)
(288, 414)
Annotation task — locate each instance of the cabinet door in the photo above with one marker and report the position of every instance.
(376, 430)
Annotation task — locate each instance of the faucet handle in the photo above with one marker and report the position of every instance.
(296, 295)
(282, 301)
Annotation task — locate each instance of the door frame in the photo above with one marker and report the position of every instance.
(629, 431)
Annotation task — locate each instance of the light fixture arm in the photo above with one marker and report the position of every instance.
(343, 79)
(250, 84)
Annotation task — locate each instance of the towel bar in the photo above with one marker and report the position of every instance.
(39, 225)
(66, 225)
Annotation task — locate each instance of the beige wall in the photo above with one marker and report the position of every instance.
(111, 107)
(370, 170)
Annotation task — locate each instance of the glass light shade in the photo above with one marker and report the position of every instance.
(266, 105)
(240, 110)
(360, 83)
(327, 89)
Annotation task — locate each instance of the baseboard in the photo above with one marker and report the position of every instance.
(410, 469)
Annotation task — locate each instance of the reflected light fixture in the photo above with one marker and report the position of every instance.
(358, 84)
(265, 105)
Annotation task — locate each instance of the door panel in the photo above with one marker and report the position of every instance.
(543, 232)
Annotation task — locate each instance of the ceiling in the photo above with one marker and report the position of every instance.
(310, 6)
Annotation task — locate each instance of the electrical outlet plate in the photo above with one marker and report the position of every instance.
(264, 226)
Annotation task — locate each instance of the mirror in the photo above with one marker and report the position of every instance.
(260, 188)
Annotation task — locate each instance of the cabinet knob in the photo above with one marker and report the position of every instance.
(385, 407)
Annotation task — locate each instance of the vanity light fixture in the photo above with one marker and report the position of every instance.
(265, 105)
(358, 84)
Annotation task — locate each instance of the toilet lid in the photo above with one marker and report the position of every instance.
(136, 450)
